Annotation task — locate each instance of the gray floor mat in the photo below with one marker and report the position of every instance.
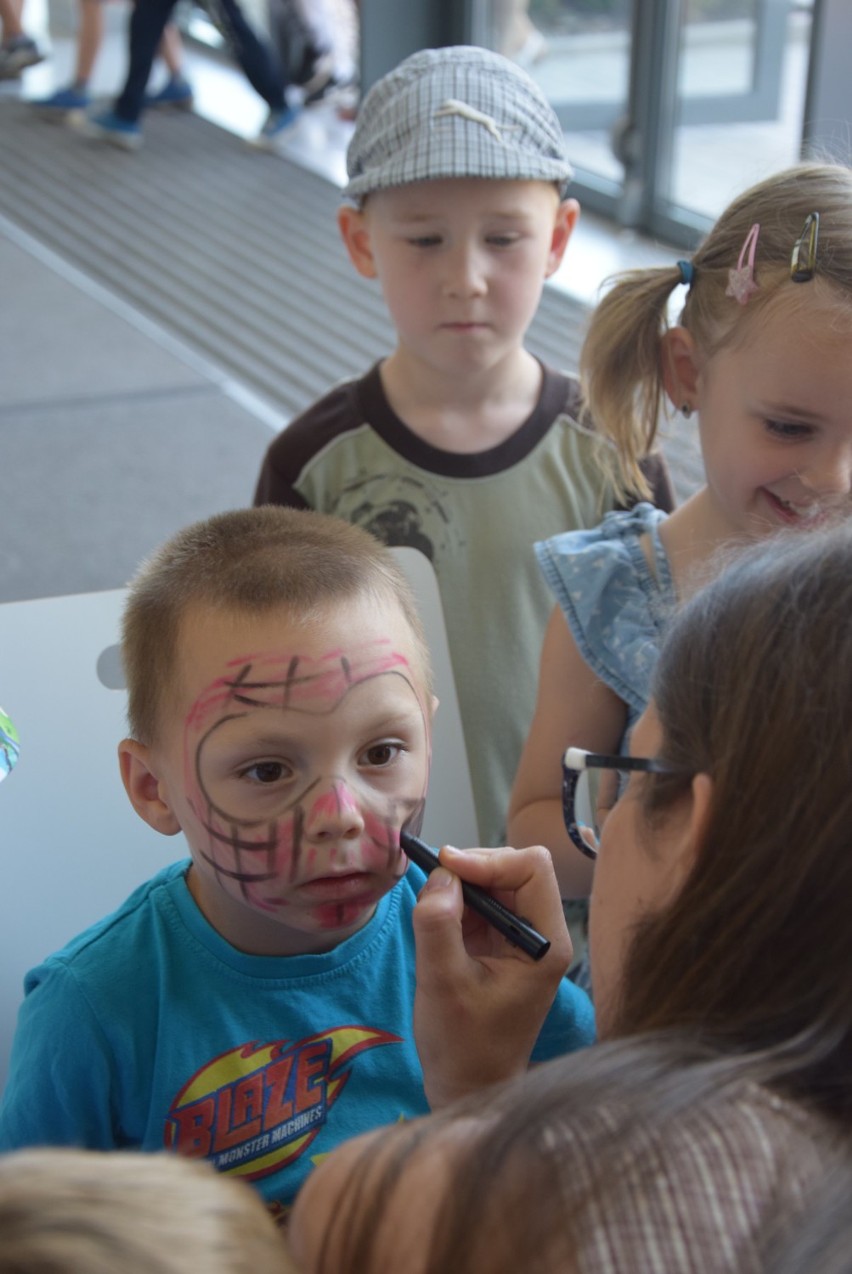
(234, 251)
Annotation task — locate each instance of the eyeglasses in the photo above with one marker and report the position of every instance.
(577, 795)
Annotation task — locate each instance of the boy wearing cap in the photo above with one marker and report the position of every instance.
(460, 443)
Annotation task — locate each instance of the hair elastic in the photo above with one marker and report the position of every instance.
(687, 272)
(741, 284)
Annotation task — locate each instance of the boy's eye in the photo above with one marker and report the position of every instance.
(502, 240)
(789, 429)
(425, 241)
(381, 754)
(267, 772)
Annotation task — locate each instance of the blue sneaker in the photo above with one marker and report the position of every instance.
(106, 126)
(277, 123)
(65, 101)
(175, 92)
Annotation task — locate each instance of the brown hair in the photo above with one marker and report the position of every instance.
(754, 687)
(621, 366)
(68, 1211)
(251, 561)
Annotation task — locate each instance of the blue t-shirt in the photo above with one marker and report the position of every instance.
(149, 1030)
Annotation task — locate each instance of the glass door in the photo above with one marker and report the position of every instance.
(741, 76)
(669, 106)
(579, 51)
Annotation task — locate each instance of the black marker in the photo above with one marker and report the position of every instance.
(504, 921)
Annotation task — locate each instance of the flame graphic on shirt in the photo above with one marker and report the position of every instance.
(256, 1108)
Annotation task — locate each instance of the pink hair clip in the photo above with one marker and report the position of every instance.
(741, 284)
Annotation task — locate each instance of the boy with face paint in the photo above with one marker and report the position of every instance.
(253, 1006)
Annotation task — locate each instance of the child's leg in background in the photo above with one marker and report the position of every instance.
(171, 50)
(17, 49)
(10, 18)
(177, 90)
(90, 37)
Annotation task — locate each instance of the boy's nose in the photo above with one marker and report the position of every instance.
(830, 471)
(465, 275)
(334, 814)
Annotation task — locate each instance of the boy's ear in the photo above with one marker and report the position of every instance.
(680, 368)
(143, 787)
(567, 216)
(356, 235)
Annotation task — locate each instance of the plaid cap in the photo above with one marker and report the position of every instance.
(454, 112)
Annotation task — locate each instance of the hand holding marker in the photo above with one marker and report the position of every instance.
(517, 931)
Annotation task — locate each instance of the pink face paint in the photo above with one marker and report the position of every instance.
(322, 837)
(338, 801)
(295, 681)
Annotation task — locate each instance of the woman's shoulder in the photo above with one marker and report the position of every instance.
(740, 1126)
(704, 1190)
(765, 1138)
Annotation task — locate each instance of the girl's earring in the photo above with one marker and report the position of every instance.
(686, 411)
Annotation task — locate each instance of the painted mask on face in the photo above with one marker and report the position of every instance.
(300, 769)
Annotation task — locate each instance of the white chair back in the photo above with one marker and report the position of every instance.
(73, 847)
(450, 812)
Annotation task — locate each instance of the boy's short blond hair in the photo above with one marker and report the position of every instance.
(250, 561)
(66, 1211)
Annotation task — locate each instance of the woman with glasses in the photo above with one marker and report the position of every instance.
(708, 1120)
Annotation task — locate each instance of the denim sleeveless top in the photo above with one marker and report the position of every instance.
(615, 605)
